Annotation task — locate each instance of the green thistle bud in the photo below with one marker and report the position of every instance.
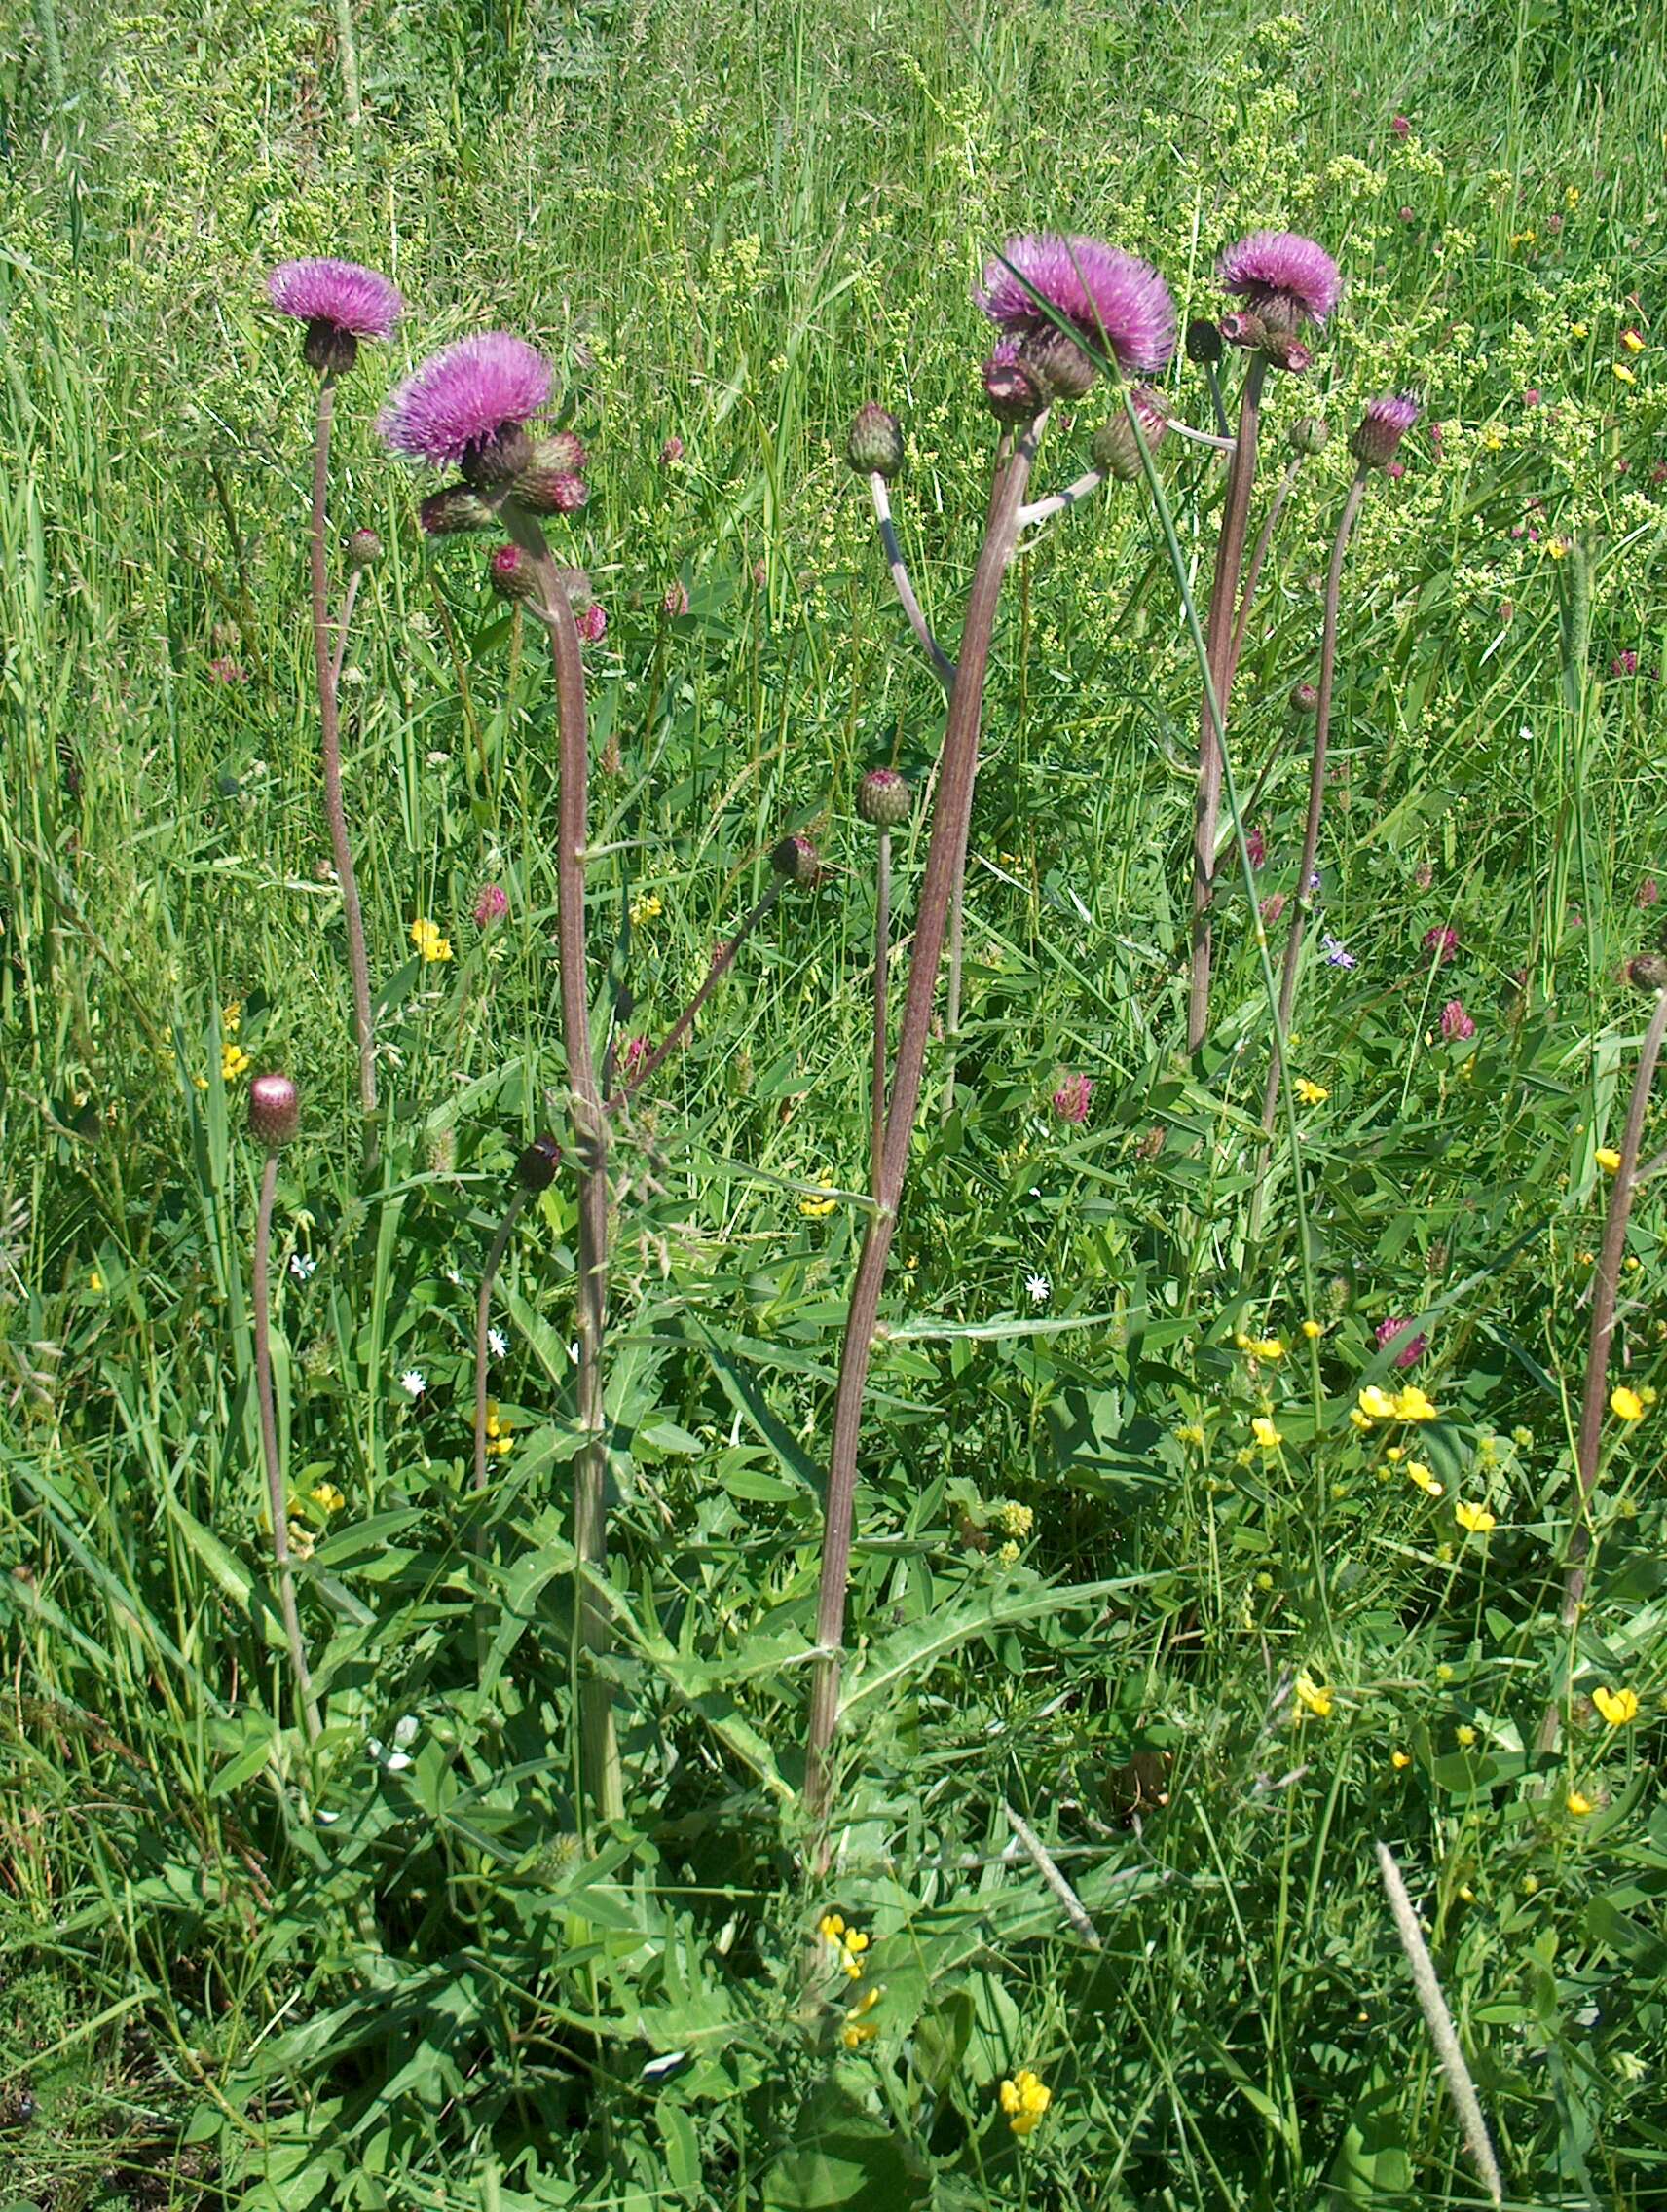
(274, 1111)
(448, 513)
(511, 575)
(364, 548)
(873, 444)
(491, 463)
(1305, 699)
(1055, 365)
(1115, 448)
(885, 798)
(1309, 433)
(552, 483)
(796, 860)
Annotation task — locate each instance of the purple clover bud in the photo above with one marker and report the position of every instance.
(491, 907)
(1649, 972)
(1071, 1099)
(1457, 1026)
(274, 1111)
(1397, 1325)
(1441, 944)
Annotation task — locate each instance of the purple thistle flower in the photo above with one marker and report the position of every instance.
(1337, 953)
(1282, 276)
(460, 402)
(1382, 427)
(353, 298)
(1109, 297)
(1413, 1350)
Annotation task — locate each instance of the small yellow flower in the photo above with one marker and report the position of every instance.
(1571, 198)
(500, 1436)
(425, 937)
(1632, 341)
(1008, 1555)
(1314, 1696)
(1400, 1760)
(1607, 1159)
(1467, 1735)
(1424, 1480)
(1359, 1417)
(1376, 1404)
(1265, 1348)
(232, 1017)
(1395, 1453)
(1579, 1804)
(1024, 2099)
(1474, 1517)
(1578, 330)
(1265, 1433)
(831, 1926)
(1618, 1707)
(96, 1282)
(1192, 1434)
(1493, 439)
(327, 1498)
(1625, 1404)
(1411, 1404)
(1586, 1259)
(233, 1063)
(1312, 1329)
(859, 2028)
(1016, 1519)
(1622, 373)
(646, 908)
(1557, 547)
(1312, 1094)
(817, 1205)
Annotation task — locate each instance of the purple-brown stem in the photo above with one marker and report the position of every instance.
(1605, 1284)
(600, 1749)
(1218, 649)
(1315, 806)
(882, 952)
(950, 814)
(722, 960)
(943, 667)
(275, 1501)
(1259, 554)
(482, 1317)
(330, 732)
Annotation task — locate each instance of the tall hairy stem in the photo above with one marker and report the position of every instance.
(1218, 641)
(882, 952)
(600, 1753)
(952, 812)
(1605, 1284)
(327, 666)
(1259, 554)
(277, 1503)
(1310, 828)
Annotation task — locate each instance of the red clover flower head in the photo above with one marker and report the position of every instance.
(339, 301)
(1624, 663)
(1256, 845)
(1109, 298)
(1457, 1026)
(591, 622)
(468, 404)
(1071, 1099)
(1415, 1348)
(674, 602)
(1382, 427)
(1441, 944)
(1648, 891)
(1282, 276)
(491, 907)
(671, 452)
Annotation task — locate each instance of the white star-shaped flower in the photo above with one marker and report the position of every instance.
(414, 1382)
(1040, 1289)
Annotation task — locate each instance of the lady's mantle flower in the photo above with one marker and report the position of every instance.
(339, 301)
(425, 937)
(414, 1382)
(1618, 1707)
(1310, 1092)
(1396, 1326)
(1625, 1404)
(1476, 1520)
(1024, 2099)
(1110, 298)
(1312, 1696)
(1282, 276)
(460, 400)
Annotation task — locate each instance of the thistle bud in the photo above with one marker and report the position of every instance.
(1382, 429)
(873, 444)
(511, 575)
(1009, 392)
(796, 860)
(1286, 351)
(1649, 972)
(328, 347)
(553, 481)
(274, 1111)
(1305, 699)
(1115, 447)
(536, 1169)
(1243, 329)
(883, 799)
(364, 549)
(498, 459)
(448, 513)
(1055, 363)
(1309, 433)
(1203, 340)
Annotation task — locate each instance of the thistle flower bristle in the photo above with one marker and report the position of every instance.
(1283, 278)
(1382, 427)
(458, 405)
(873, 444)
(339, 301)
(797, 861)
(536, 1169)
(274, 1110)
(883, 799)
(1111, 299)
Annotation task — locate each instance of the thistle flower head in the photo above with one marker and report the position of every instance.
(1309, 433)
(883, 799)
(1382, 427)
(468, 404)
(339, 301)
(536, 1169)
(873, 444)
(1110, 298)
(1282, 276)
(274, 1110)
(796, 860)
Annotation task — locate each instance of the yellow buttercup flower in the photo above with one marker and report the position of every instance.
(1625, 1404)
(1360, 1419)
(1466, 1734)
(1411, 1404)
(1400, 1760)
(1265, 1433)
(1312, 1094)
(1607, 1159)
(1618, 1707)
(1578, 330)
(1314, 1696)
(1024, 2099)
(1424, 1480)
(1312, 1329)
(430, 945)
(1376, 1404)
(1264, 1348)
(1579, 1804)
(1474, 1517)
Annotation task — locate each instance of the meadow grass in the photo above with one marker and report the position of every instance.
(1103, 1640)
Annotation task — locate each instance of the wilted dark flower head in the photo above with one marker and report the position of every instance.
(462, 400)
(1382, 427)
(1109, 297)
(339, 301)
(1203, 340)
(536, 1169)
(796, 860)
(1282, 276)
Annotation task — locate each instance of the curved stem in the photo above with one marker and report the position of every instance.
(1056, 503)
(952, 812)
(482, 1316)
(1605, 1285)
(943, 666)
(600, 1752)
(331, 734)
(277, 1503)
(1259, 554)
(1310, 828)
(1223, 600)
(722, 960)
(344, 616)
(882, 949)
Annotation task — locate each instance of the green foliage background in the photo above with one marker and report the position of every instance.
(733, 225)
